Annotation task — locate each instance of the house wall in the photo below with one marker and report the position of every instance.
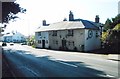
(55, 41)
(93, 42)
(8, 38)
(14, 38)
(18, 38)
(40, 37)
(77, 40)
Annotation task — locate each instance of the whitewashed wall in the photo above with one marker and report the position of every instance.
(80, 38)
(77, 38)
(44, 36)
(93, 42)
(18, 37)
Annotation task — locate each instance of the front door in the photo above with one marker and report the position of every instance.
(63, 43)
(43, 43)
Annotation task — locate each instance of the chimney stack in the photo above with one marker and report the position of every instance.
(97, 19)
(71, 16)
(44, 22)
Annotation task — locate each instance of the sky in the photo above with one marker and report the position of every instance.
(56, 10)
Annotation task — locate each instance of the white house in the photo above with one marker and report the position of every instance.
(7, 37)
(14, 37)
(42, 38)
(75, 34)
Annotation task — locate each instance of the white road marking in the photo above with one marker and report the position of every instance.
(110, 76)
(23, 67)
(65, 63)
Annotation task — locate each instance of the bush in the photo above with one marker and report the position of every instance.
(33, 45)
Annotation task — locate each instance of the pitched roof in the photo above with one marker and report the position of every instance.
(64, 25)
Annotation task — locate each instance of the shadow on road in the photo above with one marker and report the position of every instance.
(24, 64)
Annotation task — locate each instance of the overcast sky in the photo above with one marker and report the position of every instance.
(56, 10)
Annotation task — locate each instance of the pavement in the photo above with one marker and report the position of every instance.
(114, 57)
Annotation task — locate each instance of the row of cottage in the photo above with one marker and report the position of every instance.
(75, 34)
(15, 37)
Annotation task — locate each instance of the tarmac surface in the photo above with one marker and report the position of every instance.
(5, 70)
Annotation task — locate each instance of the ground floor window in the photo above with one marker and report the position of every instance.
(39, 41)
(71, 43)
(55, 42)
(46, 41)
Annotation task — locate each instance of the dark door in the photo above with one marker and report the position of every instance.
(43, 43)
(63, 44)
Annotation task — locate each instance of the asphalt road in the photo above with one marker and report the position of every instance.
(25, 61)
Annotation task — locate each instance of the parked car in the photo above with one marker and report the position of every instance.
(11, 44)
(4, 44)
(24, 43)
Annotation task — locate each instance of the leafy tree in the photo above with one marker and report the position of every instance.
(31, 40)
(117, 27)
(116, 20)
(9, 11)
(107, 24)
(111, 35)
(110, 24)
(104, 36)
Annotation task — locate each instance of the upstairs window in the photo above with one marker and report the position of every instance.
(54, 33)
(39, 33)
(70, 32)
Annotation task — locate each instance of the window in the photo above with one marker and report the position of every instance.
(71, 43)
(54, 33)
(39, 41)
(97, 35)
(47, 41)
(39, 33)
(70, 32)
(57, 42)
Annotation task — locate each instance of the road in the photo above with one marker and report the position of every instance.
(30, 62)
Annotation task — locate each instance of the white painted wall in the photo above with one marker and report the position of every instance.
(8, 38)
(77, 38)
(43, 36)
(18, 37)
(92, 43)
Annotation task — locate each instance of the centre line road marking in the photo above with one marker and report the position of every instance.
(65, 63)
(34, 73)
(109, 76)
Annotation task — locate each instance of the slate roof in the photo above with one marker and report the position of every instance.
(64, 25)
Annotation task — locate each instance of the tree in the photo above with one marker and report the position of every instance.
(116, 20)
(9, 11)
(107, 24)
(111, 35)
(110, 24)
(31, 40)
(117, 27)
